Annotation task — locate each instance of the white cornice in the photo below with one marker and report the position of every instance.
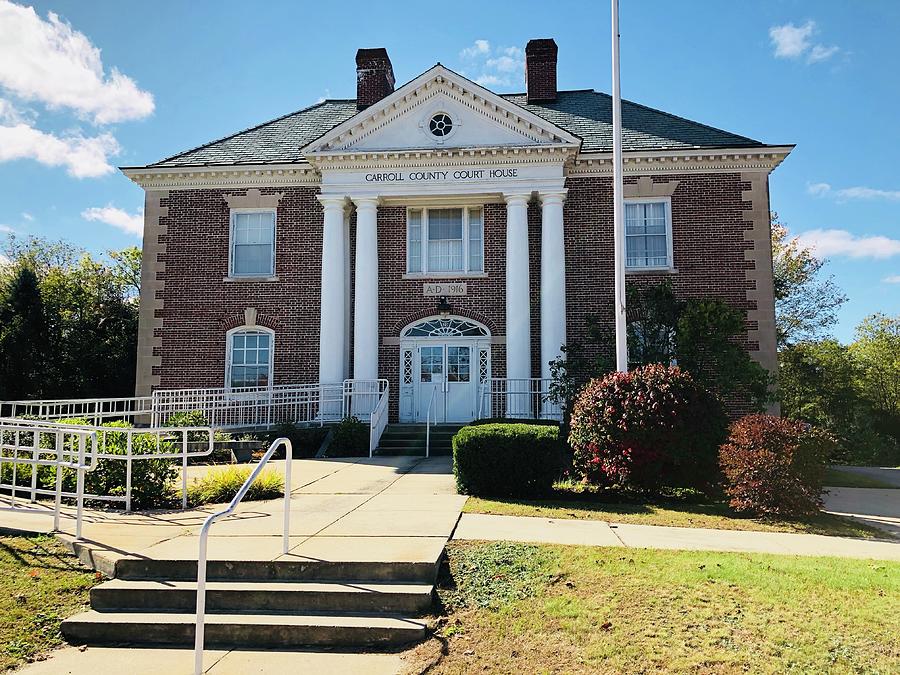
(439, 79)
(198, 178)
(720, 160)
(537, 154)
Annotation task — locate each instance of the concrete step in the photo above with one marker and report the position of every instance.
(243, 629)
(304, 596)
(304, 569)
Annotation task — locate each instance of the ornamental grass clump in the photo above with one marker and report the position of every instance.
(219, 485)
(649, 428)
(775, 466)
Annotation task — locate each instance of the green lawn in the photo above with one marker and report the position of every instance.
(40, 585)
(716, 515)
(514, 608)
(839, 478)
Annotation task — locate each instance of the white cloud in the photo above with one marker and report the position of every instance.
(818, 189)
(821, 53)
(826, 243)
(119, 218)
(868, 193)
(477, 48)
(892, 279)
(49, 61)
(6, 228)
(792, 42)
(27, 216)
(501, 67)
(83, 156)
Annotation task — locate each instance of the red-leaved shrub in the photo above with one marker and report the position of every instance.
(775, 466)
(648, 428)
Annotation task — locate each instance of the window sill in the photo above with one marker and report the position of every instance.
(418, 276)
(252, 279)
(651, 270)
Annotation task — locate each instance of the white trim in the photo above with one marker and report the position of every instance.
(495, 107)
(669, 246)
(229, 335)
(272, 274)
(425, 273)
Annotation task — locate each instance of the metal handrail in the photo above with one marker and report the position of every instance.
(428, 423)
(378, 421)
(227, 511)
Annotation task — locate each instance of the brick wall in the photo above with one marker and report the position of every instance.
(199, 307)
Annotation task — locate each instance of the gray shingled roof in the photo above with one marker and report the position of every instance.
(584, 113)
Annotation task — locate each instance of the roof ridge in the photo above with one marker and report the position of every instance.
(248, 129)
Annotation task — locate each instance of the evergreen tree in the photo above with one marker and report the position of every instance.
(23, 337)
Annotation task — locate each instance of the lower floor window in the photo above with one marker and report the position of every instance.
(250, 358)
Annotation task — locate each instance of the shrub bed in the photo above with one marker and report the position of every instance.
(506, 460)
(221, 484)
(775, 466)
(648, 428)
(350, 439)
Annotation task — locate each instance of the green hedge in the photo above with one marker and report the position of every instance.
(507, 420)
(507, 460)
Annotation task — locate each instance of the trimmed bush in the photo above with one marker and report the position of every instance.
(507, 420)
(305, 441)
(221, 484)
(646, 429)
(775, 466)
(507, 460)
(351, 439)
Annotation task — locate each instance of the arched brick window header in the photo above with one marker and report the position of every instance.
(428, 313)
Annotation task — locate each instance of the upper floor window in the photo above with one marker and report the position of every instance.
(648, 233)
(445, 240)
(250, 352)
(252, 243)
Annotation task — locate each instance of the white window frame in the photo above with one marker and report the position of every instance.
(452, 274)
(229, 343)
(231, 226)
(669, 248)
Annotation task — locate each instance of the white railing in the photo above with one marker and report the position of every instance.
(46, 444)
(227, 511)
(525, 398)
(94, 410)
(111, 444)
(428, 423)
(378, 420)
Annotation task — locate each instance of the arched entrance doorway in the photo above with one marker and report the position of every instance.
(445, 363)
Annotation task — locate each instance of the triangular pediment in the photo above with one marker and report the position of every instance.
(440, 110)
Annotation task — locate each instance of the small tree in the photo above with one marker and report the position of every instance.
(806, 303)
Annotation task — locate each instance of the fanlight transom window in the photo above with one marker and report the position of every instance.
(446, 328)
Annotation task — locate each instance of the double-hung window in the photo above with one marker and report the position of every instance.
(250, 353)
(445, 241)
(648, 234)
(253, 243)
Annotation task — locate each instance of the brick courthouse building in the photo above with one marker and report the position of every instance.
(437, 235)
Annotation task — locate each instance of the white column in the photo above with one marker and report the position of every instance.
(518, 312)
(332, 310)
(365, 296)
(553, 279)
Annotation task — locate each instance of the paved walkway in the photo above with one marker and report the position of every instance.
(474, 526)
(876, 507)
(382, 510)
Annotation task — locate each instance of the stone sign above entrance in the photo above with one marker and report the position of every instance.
(454, 289)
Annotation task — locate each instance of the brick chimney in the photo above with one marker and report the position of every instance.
(374, 76)
(540, 70)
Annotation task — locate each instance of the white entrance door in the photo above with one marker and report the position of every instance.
(446, 382)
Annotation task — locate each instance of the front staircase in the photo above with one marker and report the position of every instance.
(409, 439)
(281, 604)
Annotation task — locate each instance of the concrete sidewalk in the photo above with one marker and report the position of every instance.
(474, 526)
(873, 506)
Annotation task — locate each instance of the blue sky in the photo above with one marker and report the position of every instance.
(108, 84)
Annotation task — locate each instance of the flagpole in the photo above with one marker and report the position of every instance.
(618, 201)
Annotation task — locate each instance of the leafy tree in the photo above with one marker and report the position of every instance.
(876, 352)
(817, 384)
(806, 303)
(22, 336)
(89, 317)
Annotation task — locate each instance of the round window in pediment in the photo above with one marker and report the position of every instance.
(440, 125)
